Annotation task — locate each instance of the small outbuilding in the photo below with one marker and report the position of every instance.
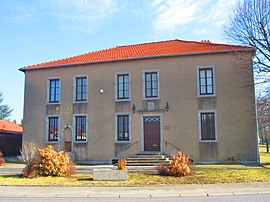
(10, 138)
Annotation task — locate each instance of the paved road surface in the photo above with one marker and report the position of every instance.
(239, 198)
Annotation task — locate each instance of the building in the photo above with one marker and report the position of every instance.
(160, 96)
(10, 138)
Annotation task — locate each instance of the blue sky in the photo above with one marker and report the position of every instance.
(35, 31)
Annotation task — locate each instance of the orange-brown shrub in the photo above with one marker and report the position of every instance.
(2, 160)
(32, 169)
(49, 163)
(179, 166)
(121, 164)
(55, 163)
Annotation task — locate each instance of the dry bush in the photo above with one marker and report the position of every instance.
(49, 163)
(179, 166)
(121, 164)
(29, 151)
(2, 160)
(55, 163)
(32, 169)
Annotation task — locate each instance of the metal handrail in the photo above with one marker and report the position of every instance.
(127, 147)
(166, 142)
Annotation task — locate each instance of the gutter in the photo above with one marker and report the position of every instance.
(137, 58)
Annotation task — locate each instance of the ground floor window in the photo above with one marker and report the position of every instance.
(53, 134)
(207, 121)
(81, 128)
(123, 127)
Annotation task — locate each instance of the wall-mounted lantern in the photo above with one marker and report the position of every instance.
(101, 91)
(167, 107)
(133, 108)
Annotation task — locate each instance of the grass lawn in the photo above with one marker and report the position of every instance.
(265, 157)
(203, 174)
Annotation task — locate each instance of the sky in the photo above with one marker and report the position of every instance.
(35, 31)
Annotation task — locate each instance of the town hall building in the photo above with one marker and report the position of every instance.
(152, 97)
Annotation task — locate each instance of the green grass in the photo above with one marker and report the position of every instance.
(202, 174)
(264, 157)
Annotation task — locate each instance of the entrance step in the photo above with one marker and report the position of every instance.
(147, 159)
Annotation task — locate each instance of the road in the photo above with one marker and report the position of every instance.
(239, 198)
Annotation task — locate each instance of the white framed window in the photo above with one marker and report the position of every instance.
(207, 125)
(122, 128)
(122, 86)
(150, 84)
(80, 127)
(206, 81)
(53, 90)
(80, 89)
(52, 129)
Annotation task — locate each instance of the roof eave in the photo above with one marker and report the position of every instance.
(138, 58)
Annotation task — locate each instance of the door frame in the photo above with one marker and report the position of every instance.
(142, 131)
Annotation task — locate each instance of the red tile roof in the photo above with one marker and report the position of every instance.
(140, 51)
(10, 127)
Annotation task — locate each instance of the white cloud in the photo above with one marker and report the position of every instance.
(82, 15)
(172, 14)
(219, 12)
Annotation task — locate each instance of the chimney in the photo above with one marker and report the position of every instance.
(205, 41)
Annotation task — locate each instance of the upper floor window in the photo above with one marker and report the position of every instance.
(54, 90)
(151, 84)
(80, 128)
(81, 88)
(206, 81)
(53, 129)
(207, 121)
(123, 86)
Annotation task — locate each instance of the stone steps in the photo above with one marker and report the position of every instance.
(147, 159)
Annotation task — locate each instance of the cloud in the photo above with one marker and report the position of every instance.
(82, 15)
(173, 14)
(219, 12)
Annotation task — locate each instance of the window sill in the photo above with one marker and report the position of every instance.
(80, 102)
(151, 98)
(52, 142)
(210, 95)
(122, 100)
(205, 141)
(53, 103)
(122, 142)
(81, 142)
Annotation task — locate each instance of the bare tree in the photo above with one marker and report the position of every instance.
(250, 25)
(263, 117)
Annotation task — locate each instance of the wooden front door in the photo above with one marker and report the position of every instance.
(151, 126)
